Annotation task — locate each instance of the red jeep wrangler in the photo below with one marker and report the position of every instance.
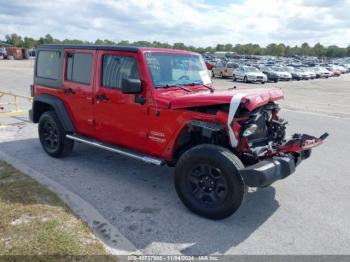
(159, 106)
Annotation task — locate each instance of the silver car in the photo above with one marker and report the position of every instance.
(283, 75)
(249, 74)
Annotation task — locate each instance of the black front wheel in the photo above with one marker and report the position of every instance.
(208, 182)
(53, 137)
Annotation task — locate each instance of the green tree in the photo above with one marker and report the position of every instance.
(30, 42)
(14, 40)
(319, 50)
(305, 49)
(179, 46)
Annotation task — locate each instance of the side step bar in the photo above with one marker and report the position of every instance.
(118, 150)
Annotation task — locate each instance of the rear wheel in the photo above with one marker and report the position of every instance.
(208, 182)
(234, 78)
(222, 75)
(53, 137)
(245, 79)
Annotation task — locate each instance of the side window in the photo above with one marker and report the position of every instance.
(48, 64)
(79, 68)
(115, 68)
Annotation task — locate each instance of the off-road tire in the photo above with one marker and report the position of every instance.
(51, 129)
(223, 162)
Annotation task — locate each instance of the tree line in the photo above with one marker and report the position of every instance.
(247, 49)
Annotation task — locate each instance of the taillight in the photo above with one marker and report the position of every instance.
(32, 90)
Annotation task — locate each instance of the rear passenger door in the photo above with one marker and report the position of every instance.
(120, 118)
(78, 88)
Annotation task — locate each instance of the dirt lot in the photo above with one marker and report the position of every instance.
(307, 213)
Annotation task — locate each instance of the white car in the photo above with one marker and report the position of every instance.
(249, 74)
(342, 69)
(322, 72)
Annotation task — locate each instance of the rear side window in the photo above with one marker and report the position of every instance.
(116, 68)
(79, 68)
(48, 64)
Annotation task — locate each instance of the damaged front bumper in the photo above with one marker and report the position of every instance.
(282, 163)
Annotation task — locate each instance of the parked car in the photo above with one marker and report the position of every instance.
(137, 102)
(340, 68)
(304, 75)
(268, 71)
(249, 74)
(282, 74)
(333, 70)
(308, 71)
(321, 72)
(296, 75)
(209, 65)
(224, 69)
(3, 52)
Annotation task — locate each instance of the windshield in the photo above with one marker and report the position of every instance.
(168, 69)
(278, 69)
(252, 69)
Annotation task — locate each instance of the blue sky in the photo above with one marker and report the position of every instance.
(195, 22)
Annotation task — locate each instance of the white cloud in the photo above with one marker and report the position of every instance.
(192, 22)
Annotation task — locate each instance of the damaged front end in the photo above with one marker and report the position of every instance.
(260, 141)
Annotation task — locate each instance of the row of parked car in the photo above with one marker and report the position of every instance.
(263, 73)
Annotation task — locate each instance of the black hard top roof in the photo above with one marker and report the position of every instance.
(91, 47)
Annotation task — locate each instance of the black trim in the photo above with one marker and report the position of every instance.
(268, 171)
(133, 49)
(59, 108)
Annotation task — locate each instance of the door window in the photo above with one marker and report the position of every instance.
(79, 68)
(115, 68)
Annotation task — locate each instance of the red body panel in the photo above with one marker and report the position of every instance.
(153, 127)
(181, 99)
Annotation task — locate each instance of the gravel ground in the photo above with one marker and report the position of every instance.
(307, 213)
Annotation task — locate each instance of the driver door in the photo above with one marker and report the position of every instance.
(119, 118)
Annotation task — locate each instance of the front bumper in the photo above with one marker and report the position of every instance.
(278, 167)
(266, 172)
(256, 79)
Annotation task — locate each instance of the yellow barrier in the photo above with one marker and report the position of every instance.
(15, 104)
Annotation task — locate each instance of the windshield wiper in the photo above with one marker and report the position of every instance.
(179, 86)
(207, 86)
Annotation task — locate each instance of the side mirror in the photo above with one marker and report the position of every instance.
(131, 86)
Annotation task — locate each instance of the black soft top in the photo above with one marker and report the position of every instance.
(133, 49)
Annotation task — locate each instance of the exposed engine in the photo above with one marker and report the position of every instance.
(262, 128)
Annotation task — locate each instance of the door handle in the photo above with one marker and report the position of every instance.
(102, 97)
(69, 91)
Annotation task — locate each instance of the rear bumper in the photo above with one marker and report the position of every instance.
(268, 171)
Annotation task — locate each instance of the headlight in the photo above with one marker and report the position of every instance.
(250, 130)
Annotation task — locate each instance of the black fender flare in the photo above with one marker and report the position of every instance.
(206, 129)
(57, 105)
